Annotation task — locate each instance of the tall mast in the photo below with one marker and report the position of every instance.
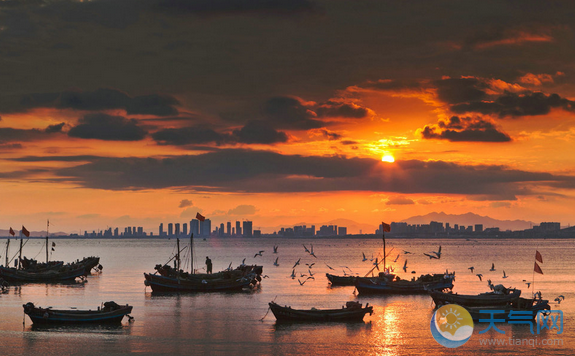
(47, 226)
(178, 255)
(20, 257)
(383, 235)
(7, 245)
(192, 253)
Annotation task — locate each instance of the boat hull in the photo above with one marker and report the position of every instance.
(377, 286)
(287, 314)
(480, 300)
(170, 284)
(505, 312)
(22, 276)
(43, 316)
(341, 280)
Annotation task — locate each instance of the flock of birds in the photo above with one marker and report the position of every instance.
(376, 262)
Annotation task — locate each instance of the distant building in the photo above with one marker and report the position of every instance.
(342, 231)
(549, 226)
(247, 228)
(257, 233)
(238, 228)
(478, 227)
(205, 227)
(229, 228)
(177, 232)
(195, 227)
(161, 229)
(185, 229)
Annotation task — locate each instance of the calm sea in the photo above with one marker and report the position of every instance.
(230, 324)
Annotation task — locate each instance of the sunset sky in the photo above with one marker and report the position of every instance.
(136, 112)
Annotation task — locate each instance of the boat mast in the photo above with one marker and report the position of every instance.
(20, 256)
(383, 235)
(178, 254)
(47, 226)
(7, 245)
(192, 253)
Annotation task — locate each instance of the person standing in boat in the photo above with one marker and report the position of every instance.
(208, 265)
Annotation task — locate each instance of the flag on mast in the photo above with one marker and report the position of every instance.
(12, 232)
(200, 217)
(537, 269)
(385, 227)
(538, 256)
(25, 232)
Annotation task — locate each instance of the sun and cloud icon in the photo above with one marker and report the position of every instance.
(451, 325)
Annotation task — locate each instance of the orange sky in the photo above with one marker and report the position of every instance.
(147, 125)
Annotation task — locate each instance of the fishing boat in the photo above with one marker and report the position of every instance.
(62, 274)
(391, 284)
(519, 309)
(109, 313)
(341, 280)
(352, 311)
(495, 298)
(175, 279)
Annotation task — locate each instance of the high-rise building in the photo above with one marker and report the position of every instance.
(195, 227)
(221, 232)
(238, 228)
(247, 228)
(177, 232)
(229, 226)
(170, 229)
(185, 229)
(205, 227)
(161, 230)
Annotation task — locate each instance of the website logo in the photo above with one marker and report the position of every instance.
(451, 325)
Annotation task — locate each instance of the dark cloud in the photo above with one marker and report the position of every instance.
(399, 201)
(291, 113)
(55, 128)
(107, 127)
(345, 110)
(517, 105)
(458, 129)
(215, 7)
(266, 172)
(460, 90)
(97, 100)
(257, 131)
(189, 136)
(8, 134)
(330, 135)
(185, 203)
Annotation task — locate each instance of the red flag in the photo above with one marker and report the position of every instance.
(537, 268)
(538, 256)
(25, 232)
(12, 232)
(385, 227)
(200, 217)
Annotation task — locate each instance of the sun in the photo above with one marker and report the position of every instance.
(387, 158)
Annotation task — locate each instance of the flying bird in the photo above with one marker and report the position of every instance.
(471, 268)
(528, 284)
(479, 275)
(310, 274)
(259, 253)
(492, 267)
(364, 258)
(504, 275)
(406, 252)
(396, 258)
(293, 274)
(405, 266)
(306, 250)
(558, 300)
(310, 265)
(330, 267)
(430, 256)
(276, 262)
(438, 253)
(297, 263)
(276, 248)
(312, 253)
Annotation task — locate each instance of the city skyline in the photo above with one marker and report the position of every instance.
(145, 113)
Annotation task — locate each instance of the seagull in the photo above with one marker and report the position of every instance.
(396, 258)
(259, 253)
(293, 274)
(229, 267)
(330, 267)
(266, 276)
(276, 262)
(406, 252)
(243, 262)
(302, 275)
(562, 297)
(438, 253)
(492, 267)
(276, 248)
(405, 266)
(310, 265)
(471, 268)
(479, 275)
(376, 264)
(364, 258)
(347, 268)
(528, 284)
(431, 256)
(297, 263)
(309, 271)
(306, 250)
(300, 282)
(312, 253)
(558, 300)
(504, 275)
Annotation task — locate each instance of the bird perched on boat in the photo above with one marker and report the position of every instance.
(259, 253)
(243, 262)
(276, 262)
(479, 275)
(276, 248)
(504, 275)
(492, 267)
(396, 258)
(297, 263)
(364, 258)
(471, 268)
(405, 266)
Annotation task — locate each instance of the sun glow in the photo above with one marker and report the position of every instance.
(388, 158)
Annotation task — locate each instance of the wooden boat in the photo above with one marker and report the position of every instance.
(168, 279)
(396, 285)
(108, 314)
(353, 311)
(341, 280)
(505, 312)
(62, 274)
(483, 299)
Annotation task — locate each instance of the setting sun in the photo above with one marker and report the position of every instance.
(388, 158)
